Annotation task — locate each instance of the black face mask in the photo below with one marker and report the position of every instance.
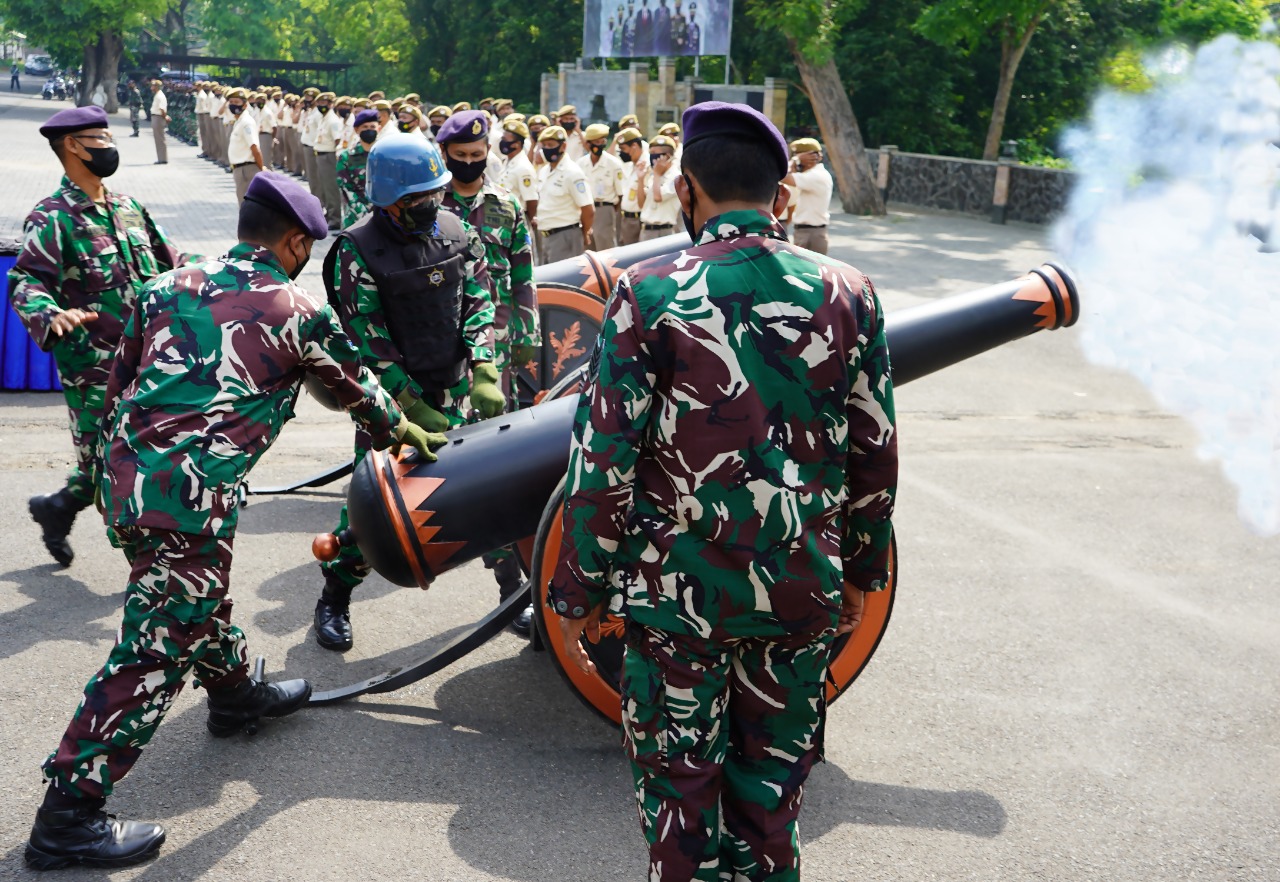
(570, 126)
(236, 109)
(422, 217)
(466, 172)
(406, 127)
(261, 106)
(625, 154)
(435, 130)
(687, 219)
(654, 157)
(551, 153)
(506, 148)
(324, 108)
(297, 270)
(344, 113)
(102, 161)
(597, 149)
(368, 136)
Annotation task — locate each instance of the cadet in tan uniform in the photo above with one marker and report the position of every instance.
(633, 153)
(812, 185)
(606, 179)
(266, 127)
(515, 171)
(328, 133)
(159, 119)
(307, 135)
(243, 149)
(659, 207)
(565, 209)
(575, 145)
(672, 131)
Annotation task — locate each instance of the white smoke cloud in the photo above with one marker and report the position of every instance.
(1169, 230)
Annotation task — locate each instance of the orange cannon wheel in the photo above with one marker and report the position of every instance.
(599, 691)
(571, 319)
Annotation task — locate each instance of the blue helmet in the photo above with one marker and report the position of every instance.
(400, 164)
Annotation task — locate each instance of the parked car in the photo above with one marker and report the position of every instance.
(39, 65)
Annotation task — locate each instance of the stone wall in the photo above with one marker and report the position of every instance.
(1000, 190)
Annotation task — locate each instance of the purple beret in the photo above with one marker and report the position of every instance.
(76, 119)
(464, 128)
(719, 118)
(283, 194)
(365, 116)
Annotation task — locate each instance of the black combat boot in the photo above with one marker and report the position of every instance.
(237, 707)
(55, 513)
(333, 616)
(77, 831)
(510, 580)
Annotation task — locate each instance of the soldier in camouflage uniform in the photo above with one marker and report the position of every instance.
(208, 371)
(729, 494)
(497, 214)
(86, 254)
(351, 168)
(412, 289)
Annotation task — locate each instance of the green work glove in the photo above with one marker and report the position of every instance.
(419, 438)
(523, 353)
(422, 414)
(485, 394)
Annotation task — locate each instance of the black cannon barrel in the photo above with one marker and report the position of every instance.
(414, 520)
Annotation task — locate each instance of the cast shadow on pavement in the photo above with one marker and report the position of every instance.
(508, 744)
(63, 609)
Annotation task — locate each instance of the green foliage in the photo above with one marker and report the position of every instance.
(1199, 21)
(813, 25)
(374, 35)
(1125, 71)
(968, 22)
(65, 27)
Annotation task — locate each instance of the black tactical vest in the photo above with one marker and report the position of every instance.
(419, 282)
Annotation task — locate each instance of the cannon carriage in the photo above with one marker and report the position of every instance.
(500, 482)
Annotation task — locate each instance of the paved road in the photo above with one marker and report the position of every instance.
(1079, 682)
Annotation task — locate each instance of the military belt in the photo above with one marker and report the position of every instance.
(657, 226)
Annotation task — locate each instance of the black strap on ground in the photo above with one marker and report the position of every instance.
(483, 631)
(336, 473)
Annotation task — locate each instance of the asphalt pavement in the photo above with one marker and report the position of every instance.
(1079, 681)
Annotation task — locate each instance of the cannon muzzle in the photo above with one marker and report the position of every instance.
(414, 520)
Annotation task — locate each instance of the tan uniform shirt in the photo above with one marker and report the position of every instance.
(668, 210)
(562, 193)
(159, 103)
(328, 132)
(244, 134)
(607, 178)
(517, 175)
(631, 188)
(813, 197)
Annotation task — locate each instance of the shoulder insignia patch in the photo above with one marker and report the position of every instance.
(582, 186)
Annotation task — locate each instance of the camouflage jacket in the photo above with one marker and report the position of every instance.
(80, 254)
(208, 372)
(734, 452)
(351, 170)
(509, 253)
(360, 307)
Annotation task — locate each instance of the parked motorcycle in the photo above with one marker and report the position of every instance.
(54, 89)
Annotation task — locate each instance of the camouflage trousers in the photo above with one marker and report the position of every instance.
(349, 568)
(177, 619)
(721, 738)
(85, 404)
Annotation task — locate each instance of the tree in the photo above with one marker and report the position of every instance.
(810, 29)
(91, 31)
(952, 22)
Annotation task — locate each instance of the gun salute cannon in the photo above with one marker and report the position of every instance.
(500, 482)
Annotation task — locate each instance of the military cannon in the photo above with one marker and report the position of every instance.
(500, 482)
